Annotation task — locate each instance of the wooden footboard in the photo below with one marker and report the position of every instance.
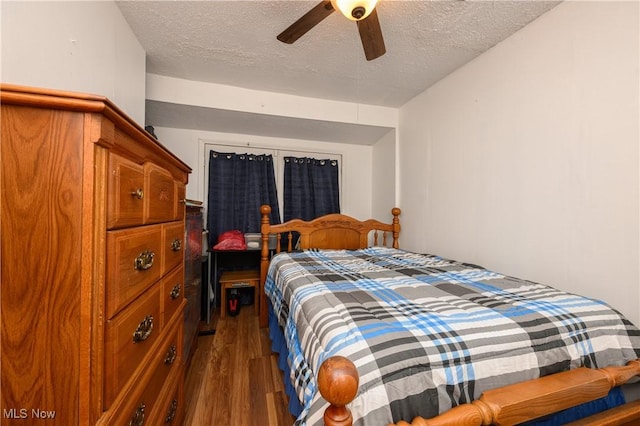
(509, 405)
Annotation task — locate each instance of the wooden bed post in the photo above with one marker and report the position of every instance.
(338, 384)
(396, 226)
(265, 210)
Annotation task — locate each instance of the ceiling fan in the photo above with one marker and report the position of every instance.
(361, 11)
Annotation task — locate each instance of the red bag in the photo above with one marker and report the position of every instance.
(231, 240)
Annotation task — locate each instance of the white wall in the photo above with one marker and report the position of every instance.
(356, 161)
(383, 178)
(526, 160)
(77, 46)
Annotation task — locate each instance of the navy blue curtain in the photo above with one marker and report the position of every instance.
(238, 185)
(310, 188)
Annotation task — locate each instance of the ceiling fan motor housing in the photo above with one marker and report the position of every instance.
(355, 10)
(358, 12)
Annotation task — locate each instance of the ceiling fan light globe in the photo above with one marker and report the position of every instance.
(355, 10)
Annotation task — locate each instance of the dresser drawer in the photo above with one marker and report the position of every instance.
(172, 293)
(130, 337)
(152, 401)
(173, 245)
(125, 193)
(161, 201)
(134, 262)
(171, 404)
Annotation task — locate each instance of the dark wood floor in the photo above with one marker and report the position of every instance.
(233, 378)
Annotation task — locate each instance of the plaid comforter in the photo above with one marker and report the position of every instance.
(426, 333)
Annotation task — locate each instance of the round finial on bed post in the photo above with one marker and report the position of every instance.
(338, 384)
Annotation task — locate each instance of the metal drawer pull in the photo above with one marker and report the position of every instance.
(171, 414)
(138, 416)
(144, 329)
(176, 245)
(175, 293)
(138, 193)
(144, 260)
(172, 353)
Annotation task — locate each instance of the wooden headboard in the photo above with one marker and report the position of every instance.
(333, 231)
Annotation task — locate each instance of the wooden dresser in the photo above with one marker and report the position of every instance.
(92, 230)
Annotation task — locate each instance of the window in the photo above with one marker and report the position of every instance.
(278, 164)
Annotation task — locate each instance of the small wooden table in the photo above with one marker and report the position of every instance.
(239, 279)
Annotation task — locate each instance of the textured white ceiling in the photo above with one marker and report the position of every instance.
(234, 43)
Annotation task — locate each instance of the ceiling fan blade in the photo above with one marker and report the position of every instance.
(306, 22)
(371, 36)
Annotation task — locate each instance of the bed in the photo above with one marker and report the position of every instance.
(369, 334)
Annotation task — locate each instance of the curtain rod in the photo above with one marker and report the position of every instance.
(276, 150)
